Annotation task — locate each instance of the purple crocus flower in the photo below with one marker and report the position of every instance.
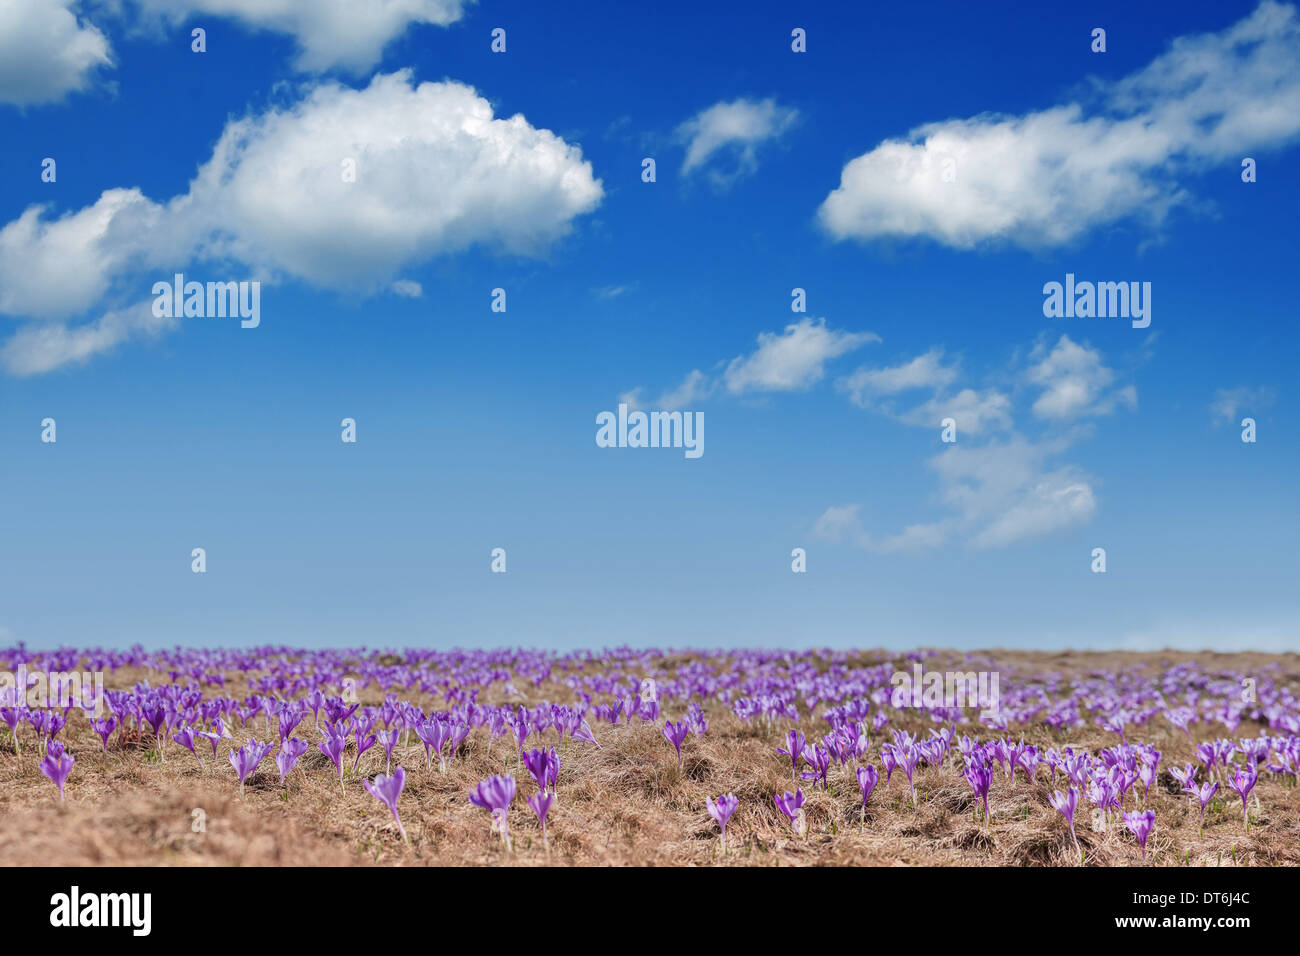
(1141, 824)
(289, 716)
(676, 734)
(57, 764)
(980, 776)
(434, 733)
(908, 758)
(541, 804)
(583, 732)
(889, 761)
(364, 738)
(791, 805)
(1243, 781)
(544, 766)
(246, 759)
(721, 811)
(290, 751)
(13, 715)
(184, 737)
(1204, 794)
(794, 744)
(695, 717)
(331, 745)
(1185, 775)
(867, 777)
(819, 763)
(388, 740)
(386, 789)
(1065, 804)
(495, 795)
(105, 729)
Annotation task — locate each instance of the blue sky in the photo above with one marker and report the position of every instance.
(522, 170)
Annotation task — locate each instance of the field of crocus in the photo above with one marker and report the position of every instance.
(281, 756)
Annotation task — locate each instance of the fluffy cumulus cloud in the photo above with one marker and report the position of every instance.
(1075, 383)
(55, 268)
(724, 138)
(47, 51)
(435, 172)
(1046, 177)
(340, 34)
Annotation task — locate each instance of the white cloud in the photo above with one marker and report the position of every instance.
(792, 360)
(1228, 402)
(737, 129)
(694, 387)
(997, 494)
(997, 491)
(1045, 177)
(436, 172)
(1002, 491)
(974, 411)
(841, 523)
(1075, 382)
(46, 52)
(924, 371)
(44, 347)
(57, 268)
(330, 33)
(408, 289)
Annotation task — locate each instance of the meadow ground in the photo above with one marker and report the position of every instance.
(627, 802)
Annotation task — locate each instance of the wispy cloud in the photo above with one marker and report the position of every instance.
(1229, 402)
(732, 130)
(792, 360)
(997, 485)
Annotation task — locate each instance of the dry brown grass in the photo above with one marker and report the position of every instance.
(626, 803)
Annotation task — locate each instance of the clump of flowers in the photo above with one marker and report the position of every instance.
(246, 759)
